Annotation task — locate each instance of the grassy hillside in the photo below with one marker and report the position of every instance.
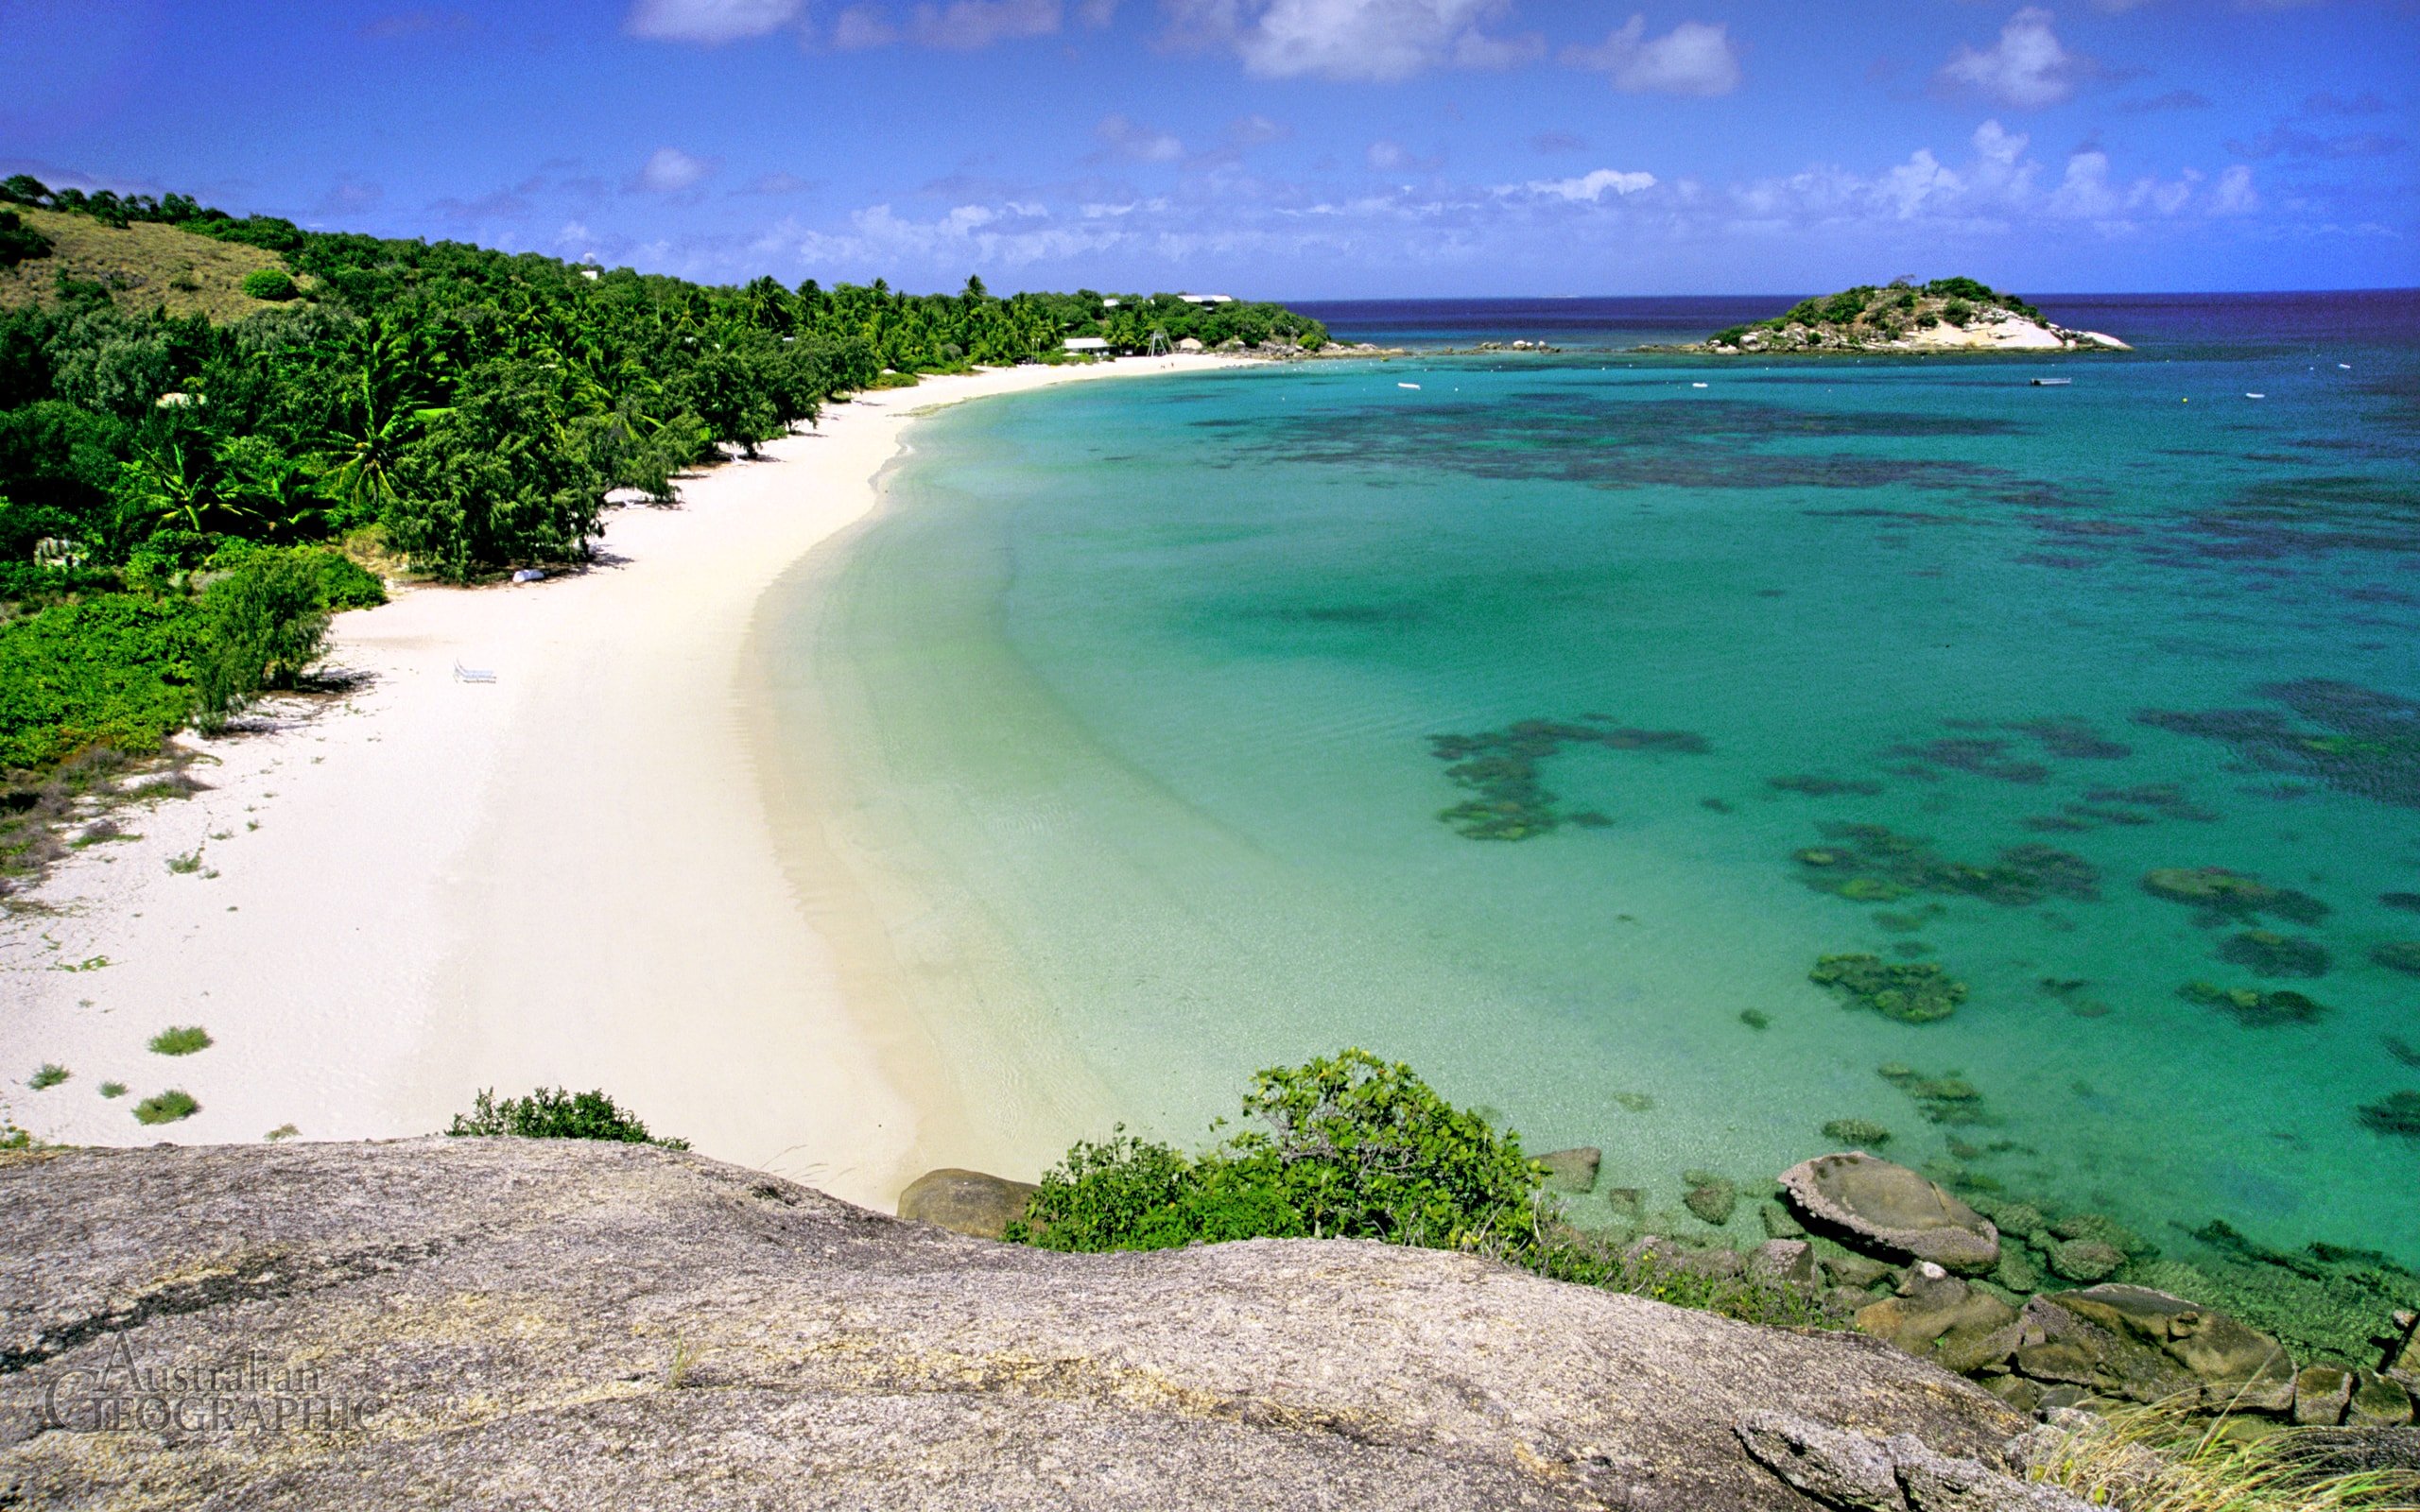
(144, 265)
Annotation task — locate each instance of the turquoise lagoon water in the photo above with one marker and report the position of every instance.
(1126, 706)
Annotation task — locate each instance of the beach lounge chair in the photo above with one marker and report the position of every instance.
(463, 674)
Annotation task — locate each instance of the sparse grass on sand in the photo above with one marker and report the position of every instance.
(166, 1107)
(47, 1077)
(2161, 1459)
(181, 1041)
(112, 1089)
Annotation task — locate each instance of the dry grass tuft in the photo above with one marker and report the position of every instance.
(2162, 1459)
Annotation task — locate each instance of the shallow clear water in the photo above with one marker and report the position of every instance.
(1133, 692)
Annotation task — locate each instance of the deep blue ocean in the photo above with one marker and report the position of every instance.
(1546, 722)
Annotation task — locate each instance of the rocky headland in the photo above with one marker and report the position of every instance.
(525, 1323)
(1953, 315)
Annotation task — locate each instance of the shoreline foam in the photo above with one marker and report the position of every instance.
(564, 877)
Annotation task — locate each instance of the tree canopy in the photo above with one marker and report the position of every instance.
(459, 409)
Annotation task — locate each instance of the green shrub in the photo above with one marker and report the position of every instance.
(344, 583)
(112, 1089)
(1958, 312)
(181, 1042)
(19, 241)
(46, 1077)
(551, 1114)
(1354, 1147)
(270, 284)
(166, 1107)
(1348, 1147)
(262, 624)
(1729, 335)
(112, 670)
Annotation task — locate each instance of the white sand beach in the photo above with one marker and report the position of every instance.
(561, 877)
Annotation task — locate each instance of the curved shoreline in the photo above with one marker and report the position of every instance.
(567, 876)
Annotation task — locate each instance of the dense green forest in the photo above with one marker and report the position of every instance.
(436, 408)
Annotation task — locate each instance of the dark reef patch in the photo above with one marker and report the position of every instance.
(1501, 767)
(1874, 864)
(2367, 743)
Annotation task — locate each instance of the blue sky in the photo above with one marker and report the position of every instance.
(1298, 149)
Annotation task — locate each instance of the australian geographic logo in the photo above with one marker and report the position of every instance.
(249, 1393)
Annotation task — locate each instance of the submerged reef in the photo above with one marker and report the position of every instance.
(1916, 992)
(2398, 956)
(1948, 1099)
(1816, 786)
(2368, 742)
(2227, 897)
(1862, 1133)
(2270, 953)
(1980, 755)
(2254, 1008)
(1501, 766)
(2395, 1113)
(1873, 863)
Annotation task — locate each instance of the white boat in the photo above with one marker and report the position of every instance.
(2248, 394)
(1407, 385)
(1697, 386)
(2053, 383)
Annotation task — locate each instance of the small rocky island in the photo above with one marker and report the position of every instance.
(1944, 315)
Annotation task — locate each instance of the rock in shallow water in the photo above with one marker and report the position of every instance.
(1572, 1171)
(1880, 1205)
(612, 1325)
(965, 1202)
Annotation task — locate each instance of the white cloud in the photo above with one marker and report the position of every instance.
(1694, 58)
(2026, 68)
(862, 26)
(2234, 195)
(708, 21)
(1594, 185)
(1349, 38)
(965, 25)
(1123, 138)
(1256, 131)
(669, 170)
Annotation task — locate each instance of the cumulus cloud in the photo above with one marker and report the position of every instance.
(861, 26)
(1122, 138)
(1694, 58)
(1256, 131)
(1349, 38)
(961, 25)
(708, 21)
(1993, 190)
(669, 170)
(1393, 157)
(1592, 186)
(965, 25)
(2026, 68)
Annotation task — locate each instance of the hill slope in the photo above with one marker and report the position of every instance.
(144, 265)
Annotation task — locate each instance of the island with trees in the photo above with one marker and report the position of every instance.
(1948, 314)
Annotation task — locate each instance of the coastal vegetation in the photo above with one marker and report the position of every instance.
(183, 1040)
(1351, 1146)
(551, 1114)
(166, 1107)
(217, 430)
